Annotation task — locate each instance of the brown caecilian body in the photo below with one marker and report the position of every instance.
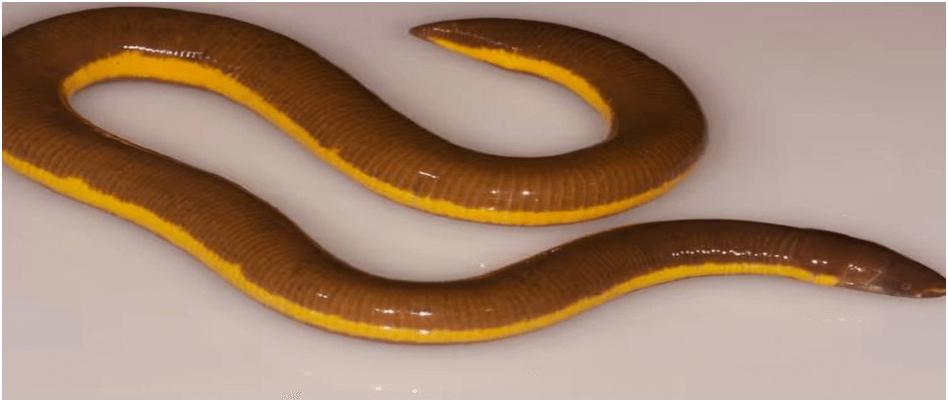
(656, 132)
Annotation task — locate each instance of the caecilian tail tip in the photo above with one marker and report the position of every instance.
(418, 32)
(423, 31)
(442, 29)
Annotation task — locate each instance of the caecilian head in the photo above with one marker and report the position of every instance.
(892, 274)
(911, 279)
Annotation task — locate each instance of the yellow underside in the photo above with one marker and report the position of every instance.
(137, 64)
(512, 61)
(77, 188)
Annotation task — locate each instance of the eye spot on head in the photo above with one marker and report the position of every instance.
(906, 286)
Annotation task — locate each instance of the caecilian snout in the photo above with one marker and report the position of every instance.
(929, 292)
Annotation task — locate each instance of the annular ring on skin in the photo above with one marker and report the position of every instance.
(656, 133)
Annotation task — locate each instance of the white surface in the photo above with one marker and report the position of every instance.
(827, 116)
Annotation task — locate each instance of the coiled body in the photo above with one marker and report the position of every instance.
(656, 133)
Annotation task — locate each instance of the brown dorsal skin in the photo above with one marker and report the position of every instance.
(658, 130)
(657, 133)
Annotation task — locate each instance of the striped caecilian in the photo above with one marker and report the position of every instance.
(656, 133)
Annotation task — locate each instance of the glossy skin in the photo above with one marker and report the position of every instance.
(656, 133)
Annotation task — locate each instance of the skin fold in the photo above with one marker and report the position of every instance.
(656, 133)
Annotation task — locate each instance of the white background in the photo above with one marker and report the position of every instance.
(820, 115)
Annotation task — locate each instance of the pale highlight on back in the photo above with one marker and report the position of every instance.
(266, 256)
(138, 64)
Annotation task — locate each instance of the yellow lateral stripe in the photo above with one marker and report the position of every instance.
(80, 190)
(136, 64)
(542, 68)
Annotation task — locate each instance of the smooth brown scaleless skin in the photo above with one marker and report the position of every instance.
(656, 134)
